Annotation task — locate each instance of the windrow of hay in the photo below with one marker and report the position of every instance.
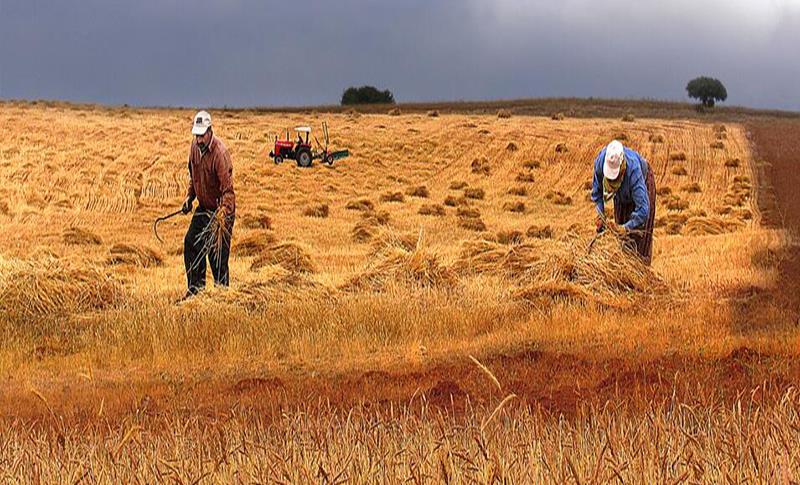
(510, 237)
(452, 201)
(457, 185)
(393, 197)
(388, 240)
(77, 236)
(418, 268)
(135, 255)
(318, 210)
(516, 207)
(541, 294)
(677, 156)
(697, 226)
(432, 210)
(256, 221)
(253, 243)
(290, 255)
(679, 170)
(540, 232)
(48, 288)
(675, 203)
(480, 167)
(418, 191)
(558, 198)
(692, 188)
(472, 224)
(360, 205)
(607, 271)
(469, 212)
(518, 190)
(369, 225)
(490, 257)
(525, 177)
(474, 193)
(275, 284)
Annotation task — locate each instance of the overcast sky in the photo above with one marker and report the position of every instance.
(257, 52)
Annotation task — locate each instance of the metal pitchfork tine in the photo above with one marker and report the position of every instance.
(164, 218)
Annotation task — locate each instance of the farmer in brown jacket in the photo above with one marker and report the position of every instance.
(211, 183)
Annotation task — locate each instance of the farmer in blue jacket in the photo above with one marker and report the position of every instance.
(625, 176)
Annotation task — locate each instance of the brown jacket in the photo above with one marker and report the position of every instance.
(211, 177)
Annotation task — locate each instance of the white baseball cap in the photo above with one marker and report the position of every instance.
(202, 122)
(615, 153)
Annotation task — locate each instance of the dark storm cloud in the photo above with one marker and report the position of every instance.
(248, 52)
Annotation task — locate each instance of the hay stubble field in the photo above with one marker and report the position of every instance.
(341, 351)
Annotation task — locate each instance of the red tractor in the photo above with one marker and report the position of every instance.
(300, 150)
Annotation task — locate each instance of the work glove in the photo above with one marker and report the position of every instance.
(187, 205)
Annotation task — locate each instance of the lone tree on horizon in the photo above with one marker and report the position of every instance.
(366, 95)
(707, 89)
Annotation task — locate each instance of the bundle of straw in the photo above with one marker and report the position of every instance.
(216, 233)
(44, 289)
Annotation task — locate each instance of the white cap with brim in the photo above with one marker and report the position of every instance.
(202, 122)
(615, 153)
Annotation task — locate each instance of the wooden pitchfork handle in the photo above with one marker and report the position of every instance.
(164, 218)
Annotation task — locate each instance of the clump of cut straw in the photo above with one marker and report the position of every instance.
(42, 289)
(253, 243)
(134, 255)
(369, 226)
(78, 236)
(607, 271)
(319, 210)
(214, 235)
(290, 255)
(388, 240)
(697, 226)
(360, 205)
(416, 268)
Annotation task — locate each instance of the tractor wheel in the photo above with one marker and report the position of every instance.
(278, 159)
(304, 159)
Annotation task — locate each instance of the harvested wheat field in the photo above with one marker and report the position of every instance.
(428, 309)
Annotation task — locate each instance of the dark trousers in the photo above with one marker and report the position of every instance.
(196, 250)
(642, 238)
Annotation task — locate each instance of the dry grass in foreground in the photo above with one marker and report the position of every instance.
(669, 442)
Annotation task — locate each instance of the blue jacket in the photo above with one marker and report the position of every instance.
(633, 188)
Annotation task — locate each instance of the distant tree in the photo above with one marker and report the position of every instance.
(707, 90)
(366, 95)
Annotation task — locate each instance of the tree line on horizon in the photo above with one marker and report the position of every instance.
(706, 89)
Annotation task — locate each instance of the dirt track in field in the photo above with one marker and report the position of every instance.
(560, 384)
(777, 142)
